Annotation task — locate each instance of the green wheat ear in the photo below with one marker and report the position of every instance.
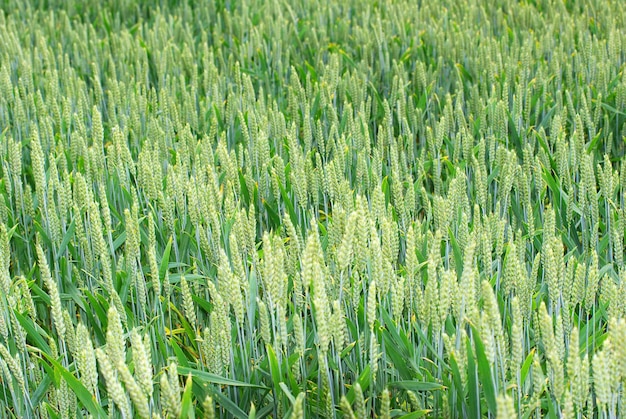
(319, 210)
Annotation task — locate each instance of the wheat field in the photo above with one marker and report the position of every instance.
(300, 209)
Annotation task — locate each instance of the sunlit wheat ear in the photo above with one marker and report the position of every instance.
(70, 333)
(115, 339)
(188, 305)
(152, 258)
(114, 387)
(14, 366)
(170, 391)
(359, 401)
(64, 399)
(4, 325)
(209, 408)
(298, 407)
(86, 360)
(5, 260)
(601, 378)
(143, 362)
(53, 290)
(135, 392)
(517, 337)
(346, 409)
(371, 305)
(382, 229)
(298, 334)
(38, 162)
(506, 407)
(264, 321)
(385, 408)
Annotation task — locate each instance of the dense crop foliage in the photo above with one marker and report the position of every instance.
(312, 209)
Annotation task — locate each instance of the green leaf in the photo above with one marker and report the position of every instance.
(41, 391)
(272, 213)
(119, 241)
(180, 354)
(484, 372)
(287, 392)
(415, 415)
(207, 377)
(526, 366)
(595, 142)
(229, 406)
(43, 235)
(458, 382)
(364, 382)
(187, 409)
(52, 413)
(288, 204)
(472, 383)
(274, 372)
(41, 294)
(244, 189)
(66, 239)
(399, 350)
(458, 255)
(417, 385)
(34, 331)
(612, 109)
(87, 399)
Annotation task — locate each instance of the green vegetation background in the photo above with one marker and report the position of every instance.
(312, 209)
